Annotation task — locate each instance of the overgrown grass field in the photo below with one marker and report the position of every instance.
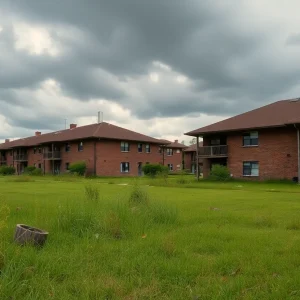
(150, 239)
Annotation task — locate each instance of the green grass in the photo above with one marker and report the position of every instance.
(124, 238)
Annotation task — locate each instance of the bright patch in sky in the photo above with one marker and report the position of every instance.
(154, 77)
(35, 40)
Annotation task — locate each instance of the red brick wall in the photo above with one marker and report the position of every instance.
(175, 159)
(74, 155)
(276, 154)
(188, 160)
(109, 158)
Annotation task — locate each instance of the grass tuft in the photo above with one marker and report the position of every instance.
(21, 178)
(264, 221)
(91, 192)
(293, 225)
(139, 196)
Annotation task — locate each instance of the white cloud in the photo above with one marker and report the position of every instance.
(34, 39)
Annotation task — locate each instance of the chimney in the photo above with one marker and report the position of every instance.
(100, 117)
(6, 140)
(72, 126)
(37, 133)
(176, 141)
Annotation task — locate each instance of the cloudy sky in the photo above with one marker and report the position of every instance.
(160, 67)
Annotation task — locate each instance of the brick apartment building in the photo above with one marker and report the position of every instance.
(173, 155)
(108, 150)
(262, 144)
(190, 159)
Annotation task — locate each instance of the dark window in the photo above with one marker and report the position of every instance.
(215, 142)
(40, 166)
(250, 168)
(140, 147)
(40, 150)
(250, 139)
(80, 146)
(124, 167)
(67, 166)
(34, 150)
(124, 146)
(147, 147)
(11, 153)
(67, 147)
(169, 151)
(170, 166)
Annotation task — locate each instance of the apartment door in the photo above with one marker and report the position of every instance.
(140, 169)
(193, 168)
(56, 168)
(22, 167)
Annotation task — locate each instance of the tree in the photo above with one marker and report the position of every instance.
(193, 141)
(182, 142)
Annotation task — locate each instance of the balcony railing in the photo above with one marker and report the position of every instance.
(52, 155)
(20, 157)
(213, 151)
(2, 160)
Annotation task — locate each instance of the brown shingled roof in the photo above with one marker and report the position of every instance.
(277, 114)
(102, 130)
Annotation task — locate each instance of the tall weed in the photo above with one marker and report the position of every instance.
(91, 192)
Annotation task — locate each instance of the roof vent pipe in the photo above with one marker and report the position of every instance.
(100, 117)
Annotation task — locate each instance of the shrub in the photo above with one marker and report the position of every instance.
(29, 169)
(5, 170)
(78, 168)
(219, 173)
(37, 172)
(153, 170)
(32, 170)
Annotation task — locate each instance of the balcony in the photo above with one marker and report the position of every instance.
(213, 151)
(52, 155)
(21, 157)
(2, 160)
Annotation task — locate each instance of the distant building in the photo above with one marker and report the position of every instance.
(108, 150)
(260, 144)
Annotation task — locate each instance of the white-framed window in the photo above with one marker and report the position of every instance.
(250, 139)
(170, 166)
(140, 147)
(80, 146)
(250, 168)
(169, 151)
(124, 167)
(124, 147)
(159, 150)
(67, 166)
(147, 148)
